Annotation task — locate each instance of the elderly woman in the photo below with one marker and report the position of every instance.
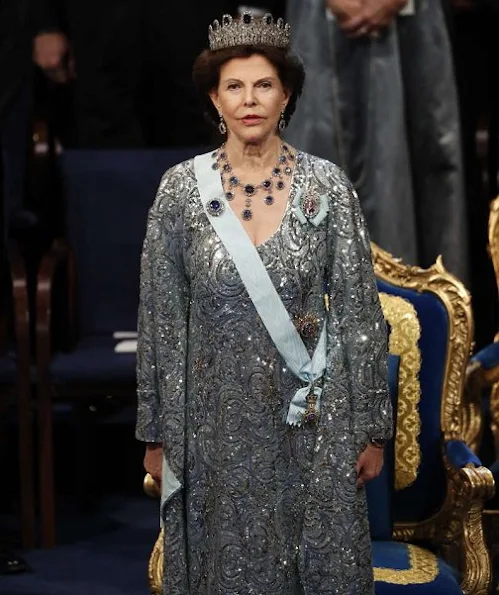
(263, 405)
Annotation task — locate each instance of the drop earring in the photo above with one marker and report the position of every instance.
(222, 126)
(282, 122)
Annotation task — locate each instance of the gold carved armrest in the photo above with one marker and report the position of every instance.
(457, 529)
(494, 236)
(151, 488)
(155, 569)
(471, 412)
(461, 527)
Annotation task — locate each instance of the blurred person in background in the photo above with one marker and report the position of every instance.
(259, 7)
(14, 116)
(15, 113)
(128, 64)
(381, 102)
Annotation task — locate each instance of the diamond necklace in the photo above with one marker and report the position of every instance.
(281, 169)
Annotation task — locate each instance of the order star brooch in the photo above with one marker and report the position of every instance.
(311, 209)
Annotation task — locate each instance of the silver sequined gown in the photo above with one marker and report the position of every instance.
(264, 509)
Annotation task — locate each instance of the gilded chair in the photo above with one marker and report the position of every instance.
(426, 507)
(494, 236)
(440, 486)
(481, 412)
(15, 381)
(483, 369)
(88, 286)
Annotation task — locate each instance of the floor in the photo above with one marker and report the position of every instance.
(105, 529)
(102, 554)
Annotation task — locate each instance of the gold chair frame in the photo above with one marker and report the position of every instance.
(492, 377)
(477, 380)
(457, 527)
(476, 377)
(494, 236)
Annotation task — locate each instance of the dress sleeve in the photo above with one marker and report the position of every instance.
(357, 331)
(162, 320)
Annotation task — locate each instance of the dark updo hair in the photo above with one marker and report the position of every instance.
(206, 73)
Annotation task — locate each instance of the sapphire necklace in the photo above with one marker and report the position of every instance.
(274, 181)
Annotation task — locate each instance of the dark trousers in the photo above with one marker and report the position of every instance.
(134, 71)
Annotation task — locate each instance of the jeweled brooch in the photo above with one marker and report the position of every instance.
(307, 325)
(215, 207)
(310, 206)
(311, 414)
(310, 209)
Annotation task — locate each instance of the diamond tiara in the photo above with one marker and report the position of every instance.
(249, 30)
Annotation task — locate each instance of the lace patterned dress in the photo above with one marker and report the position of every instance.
(263, 508)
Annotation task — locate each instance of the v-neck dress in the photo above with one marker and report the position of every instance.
(263, 508)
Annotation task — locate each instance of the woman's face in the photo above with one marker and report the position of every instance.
(250, 96)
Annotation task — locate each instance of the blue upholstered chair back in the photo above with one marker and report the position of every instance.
(426, 495)
(108, 196)
(379, 492)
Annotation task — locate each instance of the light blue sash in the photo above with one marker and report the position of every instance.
(169, 486)
(261, 290)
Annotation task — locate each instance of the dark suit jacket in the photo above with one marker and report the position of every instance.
(490, 4)
(15, 49)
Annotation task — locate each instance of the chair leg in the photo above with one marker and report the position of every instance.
(26, 466)
(46, 466)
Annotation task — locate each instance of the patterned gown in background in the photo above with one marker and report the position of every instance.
(263, 508)
(386, 111)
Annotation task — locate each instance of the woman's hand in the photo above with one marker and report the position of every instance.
(153, 461)
(344, 10)
(374, 16)
(369, 464)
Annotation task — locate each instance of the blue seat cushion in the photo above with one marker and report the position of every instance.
(94, 360)
(488, 357)
(459, 454)
(401, 567)
(494, 468)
